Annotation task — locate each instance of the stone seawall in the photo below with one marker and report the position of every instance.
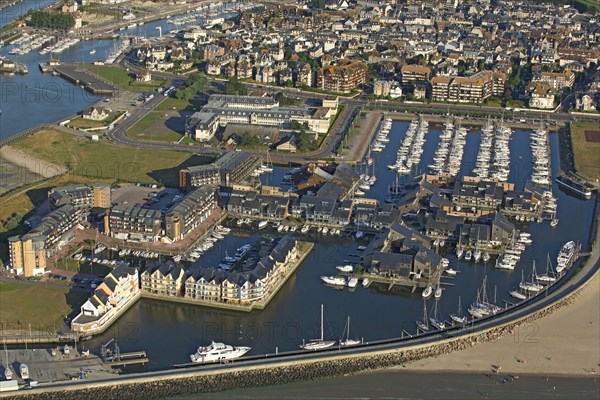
(213, 381)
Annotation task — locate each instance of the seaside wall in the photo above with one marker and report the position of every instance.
(213, 381)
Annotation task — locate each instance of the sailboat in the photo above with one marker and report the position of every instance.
(348, 341)
(7, 372)
(318, 344)
(458, 317)
(546, 278)
(434, 318)
(424, 323)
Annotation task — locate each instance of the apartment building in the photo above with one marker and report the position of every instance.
(415, 73)
(133, 223)
(119, 290)
(236, 166)
(83, 197)
(199, 175)
(163, 279)
(27, 255)
(183, 217)
(342, 78)
(250, 282)
(473, 89)
(558, 80)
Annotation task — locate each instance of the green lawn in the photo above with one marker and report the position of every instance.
(35, 304)
(102, 159)
(143, 129)
(67, 264)
(586, 154)
(81, 123)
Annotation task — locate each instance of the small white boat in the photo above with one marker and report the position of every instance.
(468, 255)
(345, 268)
(359, 234)
(427, 292)
(348, 341)
(262, 224)
(352, 282)
(366, 282)
(485, 257)
(438, 292)
(517, 294)
(334, 280)
(93, 51)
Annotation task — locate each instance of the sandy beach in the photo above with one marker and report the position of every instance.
(566, 342)
(32, 164)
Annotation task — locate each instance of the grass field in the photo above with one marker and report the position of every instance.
(90, 123)
(586, 154)
(101, 159)
(145, 130)
(42, 307)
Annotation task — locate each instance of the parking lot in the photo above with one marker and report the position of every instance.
(147, 197)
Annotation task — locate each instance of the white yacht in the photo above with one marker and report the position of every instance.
(318, 344)
(217, 352)
(348, 341)
(345, 268)
(334, 280)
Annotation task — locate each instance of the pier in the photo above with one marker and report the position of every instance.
(80, 76)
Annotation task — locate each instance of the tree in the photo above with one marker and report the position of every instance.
(251, 141)
(234, 86)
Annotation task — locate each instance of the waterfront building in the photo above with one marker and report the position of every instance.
(133, 223)
(236, 166)
(163, 279)
(541, 95)
(247, 202)
(474, 196)
(116, 293)
(95, 113)
(473, 89)
(199, 175)
(194, 209)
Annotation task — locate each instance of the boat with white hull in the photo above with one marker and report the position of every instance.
(217, 352)
(318, 344)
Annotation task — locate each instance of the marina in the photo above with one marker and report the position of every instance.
(329, 251)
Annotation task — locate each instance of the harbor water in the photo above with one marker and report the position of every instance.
(170, 332)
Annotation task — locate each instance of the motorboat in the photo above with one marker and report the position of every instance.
(427, 292)
(468, 255)
(366, 282)
(451, 272)
(438, 292)
(334, 280)
(262, 224)
(218, 352)
(345, 268)
(352, 282)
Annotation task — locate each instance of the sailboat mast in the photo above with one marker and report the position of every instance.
(322, 336)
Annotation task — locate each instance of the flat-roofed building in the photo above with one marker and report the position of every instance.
(473, 89)
(183, 217)
(199, 175)
(133, 223)
(27, 254)
(415, 73)
(342, 78)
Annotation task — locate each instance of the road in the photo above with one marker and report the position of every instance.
(569, 283)
(342, 124)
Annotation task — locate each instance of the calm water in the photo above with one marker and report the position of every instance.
(37, 98)
(170, 332)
